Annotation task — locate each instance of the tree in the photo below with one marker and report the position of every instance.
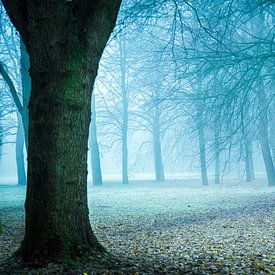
(272, 130)
(65, 40)
(19, 148)
(248, 147)
(7, 110)
(202, 145)
(16, 76)
(217, 149)
(95, 156)
(152, 115)
(213, 40)
(264, 137)
(26, 87)
(125, 102)
(23, 117)
(115, 89)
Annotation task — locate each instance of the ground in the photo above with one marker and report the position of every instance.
(166, 228)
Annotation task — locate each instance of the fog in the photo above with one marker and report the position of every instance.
(187, 168)
(137, 137)
(162, 110)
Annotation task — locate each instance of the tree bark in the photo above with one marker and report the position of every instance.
(95, 156)
(65, 40)
(19, 149)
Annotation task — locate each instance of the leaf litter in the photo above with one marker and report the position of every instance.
(168, 229)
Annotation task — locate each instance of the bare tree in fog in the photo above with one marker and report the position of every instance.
(116, 85)
(236, 47)
(94, 148)
(9, 70)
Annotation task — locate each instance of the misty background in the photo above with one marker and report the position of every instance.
(183, 94)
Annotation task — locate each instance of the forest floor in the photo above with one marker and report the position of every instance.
(167, 228)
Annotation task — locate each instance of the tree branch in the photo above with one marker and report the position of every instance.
(17, 11)
(12, 89)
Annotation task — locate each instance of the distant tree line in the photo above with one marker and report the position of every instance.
(189, 71)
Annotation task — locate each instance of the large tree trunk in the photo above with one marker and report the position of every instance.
(124, 130)
(95, 156)
(19, 149)
(159, 172)
(65, 40)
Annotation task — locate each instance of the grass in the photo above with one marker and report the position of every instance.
(170, 227)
